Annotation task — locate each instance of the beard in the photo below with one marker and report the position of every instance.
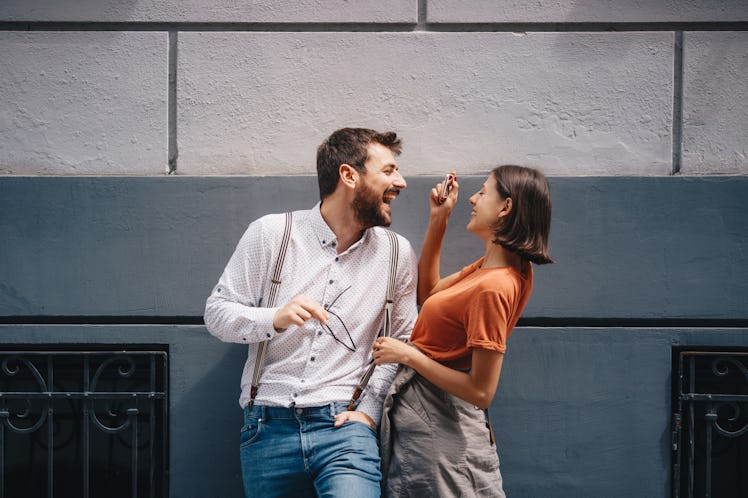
(367, 208)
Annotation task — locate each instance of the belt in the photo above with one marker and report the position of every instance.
(295, 412)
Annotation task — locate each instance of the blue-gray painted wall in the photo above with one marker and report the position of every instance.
(583, 408)
(662, 247)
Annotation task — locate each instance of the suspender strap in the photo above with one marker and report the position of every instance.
(275, 282)
(386, 330)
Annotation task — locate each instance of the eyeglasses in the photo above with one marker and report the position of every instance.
(336, 321)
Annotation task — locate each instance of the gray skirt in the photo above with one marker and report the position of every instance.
(435, 444)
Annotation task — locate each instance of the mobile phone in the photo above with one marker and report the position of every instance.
(446, 187)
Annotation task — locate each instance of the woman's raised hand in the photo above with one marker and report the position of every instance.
(444, 207)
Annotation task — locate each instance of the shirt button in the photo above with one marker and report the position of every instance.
(323, 241)
(331, 281)
(294, 395)
(268, 334)
(334, 244)
(336, 259)
(312, 358)
(319, 332)
(302, 381)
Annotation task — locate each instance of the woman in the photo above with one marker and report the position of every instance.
(435, 436)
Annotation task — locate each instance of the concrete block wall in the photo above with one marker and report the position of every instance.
(643, 97)
(578, 87)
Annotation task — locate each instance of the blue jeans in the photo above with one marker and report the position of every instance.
(297, 452)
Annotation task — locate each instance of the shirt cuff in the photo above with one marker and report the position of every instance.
(263, 323)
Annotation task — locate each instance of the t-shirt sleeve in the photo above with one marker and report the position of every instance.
(487, 321)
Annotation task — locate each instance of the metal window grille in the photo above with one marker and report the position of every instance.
(710, 424)
(83, 424)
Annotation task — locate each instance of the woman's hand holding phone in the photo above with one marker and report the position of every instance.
(446, 187)
(444, 195)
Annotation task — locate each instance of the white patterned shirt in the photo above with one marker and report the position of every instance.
(306, 365)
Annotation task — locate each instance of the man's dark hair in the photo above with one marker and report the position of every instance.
(348, 146)
(526, 228)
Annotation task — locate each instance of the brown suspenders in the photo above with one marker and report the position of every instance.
(275, 283)
(386, 330)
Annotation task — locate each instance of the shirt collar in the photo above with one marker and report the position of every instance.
(324, 233)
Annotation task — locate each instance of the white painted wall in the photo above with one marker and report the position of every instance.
(715, 97)
(83, 102)
(257, 85)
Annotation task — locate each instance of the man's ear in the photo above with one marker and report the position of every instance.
(348, 176)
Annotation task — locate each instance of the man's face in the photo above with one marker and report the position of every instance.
(377, 188)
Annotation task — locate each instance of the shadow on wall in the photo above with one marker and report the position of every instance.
(205, 421)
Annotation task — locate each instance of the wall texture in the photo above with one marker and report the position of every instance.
(584, 404)
(581, 87)
(626, 248)
(636, 109)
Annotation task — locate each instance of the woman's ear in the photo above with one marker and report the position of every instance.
(507, 207)
(348, 175)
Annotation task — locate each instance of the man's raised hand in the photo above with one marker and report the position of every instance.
(297, 311)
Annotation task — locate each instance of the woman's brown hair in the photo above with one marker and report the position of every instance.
(525, 229)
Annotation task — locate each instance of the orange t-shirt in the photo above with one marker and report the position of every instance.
(478, 310)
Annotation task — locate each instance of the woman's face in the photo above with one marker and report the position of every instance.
(487, 207)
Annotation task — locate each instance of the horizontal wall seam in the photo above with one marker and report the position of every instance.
(375, 26)
(679, 323)
(101, 320)
(545, 322)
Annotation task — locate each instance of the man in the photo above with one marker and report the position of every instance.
(299, 439)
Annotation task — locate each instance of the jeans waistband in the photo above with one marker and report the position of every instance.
(294, 412)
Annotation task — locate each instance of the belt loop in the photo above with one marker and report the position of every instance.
(263, 413)
(332, 410)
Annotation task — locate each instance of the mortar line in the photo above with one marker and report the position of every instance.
(549, 322)
(422, 15)
(172, 103)
(677, 102)
(420, 24)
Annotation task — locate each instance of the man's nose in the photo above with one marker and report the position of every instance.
(400, 181)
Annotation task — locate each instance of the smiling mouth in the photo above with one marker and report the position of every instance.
(390, 195)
